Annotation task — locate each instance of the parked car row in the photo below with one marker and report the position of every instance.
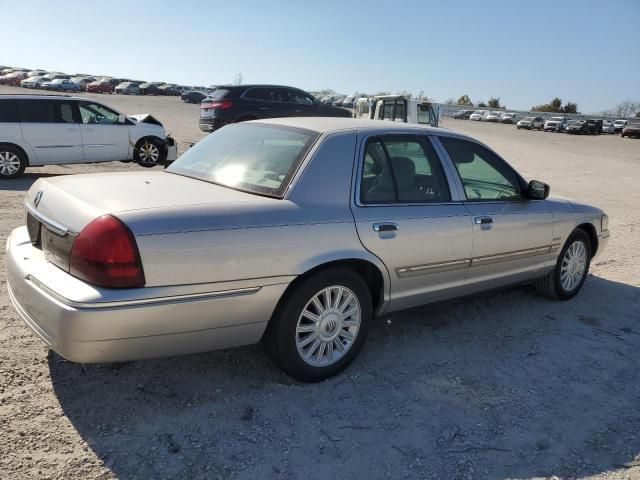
(558, 124)
(58, 81)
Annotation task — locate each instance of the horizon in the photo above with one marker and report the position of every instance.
(469, 48)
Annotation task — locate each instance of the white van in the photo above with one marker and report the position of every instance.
(398, 108)
(38, 130)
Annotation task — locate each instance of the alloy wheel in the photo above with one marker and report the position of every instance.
(9, 163)
(574, 265)
(328, 326)
(149, 153)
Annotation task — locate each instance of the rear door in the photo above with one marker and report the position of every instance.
(52, 129)
(266, 102)
(104, 139)
(407, 215)
(512, 236)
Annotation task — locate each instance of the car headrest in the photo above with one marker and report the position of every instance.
(404, 170)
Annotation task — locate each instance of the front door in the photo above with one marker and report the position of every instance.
(512, 236)
(104, 139)
(52, 130)
(406, 216)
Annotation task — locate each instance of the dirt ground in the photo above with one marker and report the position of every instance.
(506, 385)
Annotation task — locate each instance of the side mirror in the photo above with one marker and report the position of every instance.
(537, 190)
(122, 119)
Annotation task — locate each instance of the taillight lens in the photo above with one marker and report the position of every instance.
(106, 254)
(223, 105)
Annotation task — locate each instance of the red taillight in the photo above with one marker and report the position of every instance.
(223, 105)
(105, 254)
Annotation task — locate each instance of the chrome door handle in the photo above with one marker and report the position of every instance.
(385, 227)
(482, 220)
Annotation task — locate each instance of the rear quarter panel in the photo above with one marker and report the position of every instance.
(311, 226)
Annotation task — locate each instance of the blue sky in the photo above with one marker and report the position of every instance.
(524, 52)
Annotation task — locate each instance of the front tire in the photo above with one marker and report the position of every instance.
(321, 326)
(148, 153)
(571, 269)
(12, 162)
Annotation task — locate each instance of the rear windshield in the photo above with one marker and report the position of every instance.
(218, 94)
(255, 158)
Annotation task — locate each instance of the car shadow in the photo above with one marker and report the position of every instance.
(507, 386)
(25, 181)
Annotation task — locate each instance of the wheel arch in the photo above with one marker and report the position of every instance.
(590, 230)
(19, 147)
(372, 271)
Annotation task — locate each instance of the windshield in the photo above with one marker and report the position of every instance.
(556, 119)
(576, 122)
(619, 122)
(256, 158)
(529, 119)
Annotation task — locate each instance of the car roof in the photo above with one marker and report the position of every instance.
(341, 124)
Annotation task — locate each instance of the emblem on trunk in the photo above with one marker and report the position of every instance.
(37, 199)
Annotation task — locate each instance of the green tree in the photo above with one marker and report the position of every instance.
(555, 106)
(482, 104)
(494, 103)
(465, 100)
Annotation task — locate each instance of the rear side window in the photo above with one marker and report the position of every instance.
(267, 94)
(47, 111)
(402, 169)
(9, 111)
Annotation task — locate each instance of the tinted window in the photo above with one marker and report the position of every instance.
(297, 96)
(267, 94)
(402, 169)
(9, 111)
(46, 111)
(257, 158)
(484, 175)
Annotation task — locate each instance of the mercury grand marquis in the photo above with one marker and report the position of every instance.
(295, 231)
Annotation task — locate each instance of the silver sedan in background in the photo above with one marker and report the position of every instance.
(295, 231)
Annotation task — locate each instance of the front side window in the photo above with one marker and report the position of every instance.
(46, 111)
(484, 175)
(402, 169)
(424, 113)
(296, 96)
(94, 113)
(256, 158)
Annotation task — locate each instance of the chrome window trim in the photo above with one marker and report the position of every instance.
(360, 150)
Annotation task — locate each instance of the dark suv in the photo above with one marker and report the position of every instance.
(238, 103)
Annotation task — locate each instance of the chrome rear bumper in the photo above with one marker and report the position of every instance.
(105, 329)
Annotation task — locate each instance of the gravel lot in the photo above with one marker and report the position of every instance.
(506, 385)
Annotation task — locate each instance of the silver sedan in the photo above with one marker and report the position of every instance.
(297, 232)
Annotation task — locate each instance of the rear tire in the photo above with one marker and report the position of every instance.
(312, 335)
(571, 270)
(12, 162)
